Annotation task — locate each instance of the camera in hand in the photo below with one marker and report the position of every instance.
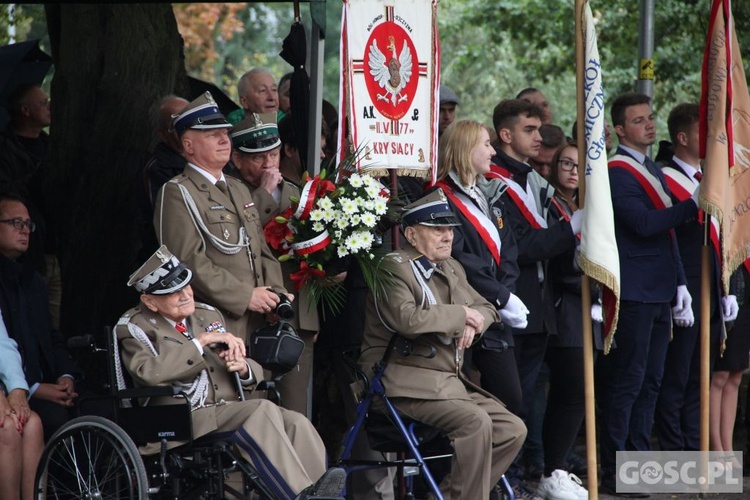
(284, 307)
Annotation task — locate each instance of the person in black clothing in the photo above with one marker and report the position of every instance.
(564, 356)
(167, 160)
(527, 197)
(49, 369)
(24, 170)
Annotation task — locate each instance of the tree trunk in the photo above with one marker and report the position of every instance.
(112, 63)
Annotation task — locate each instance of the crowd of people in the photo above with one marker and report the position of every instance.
(487, 279)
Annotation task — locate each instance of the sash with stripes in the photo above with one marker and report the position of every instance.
(651, 185)
(519, 196)
(563, 212)
(682, 188)
(481, 223)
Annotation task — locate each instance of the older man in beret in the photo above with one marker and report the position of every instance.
(212, 223)
(171, 340)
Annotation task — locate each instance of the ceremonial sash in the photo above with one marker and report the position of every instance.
(481, 223)
(650, 184)
(563, 213)
(682, 188)
(519, 196)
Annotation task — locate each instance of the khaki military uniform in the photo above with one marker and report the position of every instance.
(282, 445)
(485, 436)
(225, 271)
(294, 387)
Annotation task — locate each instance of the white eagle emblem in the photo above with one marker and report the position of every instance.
(391, 74)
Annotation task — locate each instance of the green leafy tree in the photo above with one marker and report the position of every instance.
(491, 49)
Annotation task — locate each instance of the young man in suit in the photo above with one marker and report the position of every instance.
(677, 418)
(653, 280)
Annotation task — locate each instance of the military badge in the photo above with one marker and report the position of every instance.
(217, 327)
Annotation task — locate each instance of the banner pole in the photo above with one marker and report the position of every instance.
(705, 334)
(588, 336)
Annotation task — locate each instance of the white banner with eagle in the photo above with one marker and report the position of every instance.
(390, 67)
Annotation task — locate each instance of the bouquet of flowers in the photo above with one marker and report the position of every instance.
(330, 222)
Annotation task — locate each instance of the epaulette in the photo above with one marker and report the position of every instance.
(425, 267)
(201, 305)
(396, 257)
(125, 318)
(177, 179)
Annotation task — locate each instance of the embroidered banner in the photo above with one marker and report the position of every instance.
(599, 257)
(390, 67)
(725, 138)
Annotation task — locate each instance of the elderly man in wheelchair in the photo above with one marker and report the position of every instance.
(430, 304)
(171, 340)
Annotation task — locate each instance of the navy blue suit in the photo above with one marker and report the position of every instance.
(650, 271)
(677, 418)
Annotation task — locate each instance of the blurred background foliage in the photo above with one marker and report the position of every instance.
(491, 49)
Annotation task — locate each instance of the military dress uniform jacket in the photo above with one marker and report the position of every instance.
(224, 278)
(179, 361)
(306, 314)
(406, 310)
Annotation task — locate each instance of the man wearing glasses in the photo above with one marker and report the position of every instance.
(49, 369)
(24, 170)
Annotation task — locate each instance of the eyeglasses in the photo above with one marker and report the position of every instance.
(19, 224)
(567, 165)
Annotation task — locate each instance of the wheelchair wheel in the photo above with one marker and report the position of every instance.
(91, 458)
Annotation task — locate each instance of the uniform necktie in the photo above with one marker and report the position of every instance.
(180, 327)
(698, 175)
(222, 187)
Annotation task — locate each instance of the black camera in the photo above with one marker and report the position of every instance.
(284, 307)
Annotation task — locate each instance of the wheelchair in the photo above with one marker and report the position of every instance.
(414, 443)
(98, 457)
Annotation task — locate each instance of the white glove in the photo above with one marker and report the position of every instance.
(576, 221)
(515, 313)
(597, 313)
(683, 300)
(682, 312)
(730, 307)
(683, 318)
(695, 194)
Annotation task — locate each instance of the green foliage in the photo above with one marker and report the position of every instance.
(491, 49)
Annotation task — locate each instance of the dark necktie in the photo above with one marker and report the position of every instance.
(698, 175)
(222, 187)
(656, 172)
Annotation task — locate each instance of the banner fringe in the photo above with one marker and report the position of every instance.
(607, 279)
(384, 172)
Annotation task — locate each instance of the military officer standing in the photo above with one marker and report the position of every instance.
(256, 155)
(212, 224)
